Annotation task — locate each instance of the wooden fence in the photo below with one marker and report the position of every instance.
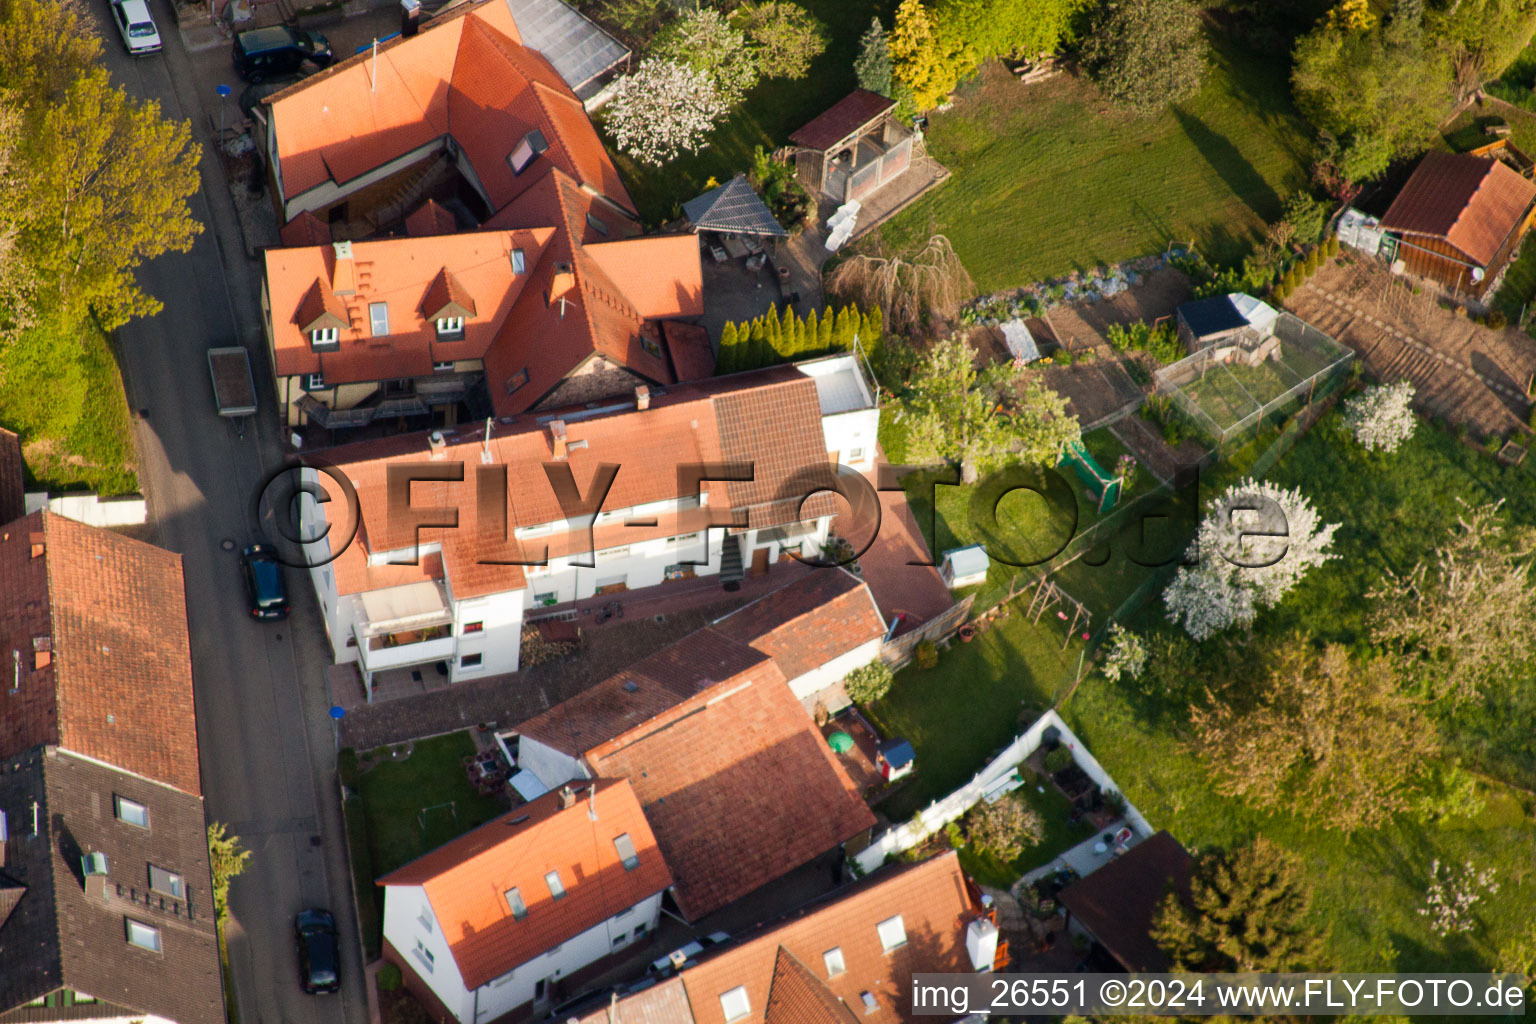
(899, 651)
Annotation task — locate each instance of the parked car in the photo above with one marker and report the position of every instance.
(580, 1005)
(675, 960)
(136, 26)
(319, 963)
(264, 53)
(264, 583)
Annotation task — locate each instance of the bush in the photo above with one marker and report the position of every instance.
(1331, 246)
(1309, 263)
(1058, 759)
(389, 978)
(346, 767)
(868, 684)
(1496, 320)
(1004, 828)
(927, 654)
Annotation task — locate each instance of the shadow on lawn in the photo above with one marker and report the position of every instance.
(1230, 165)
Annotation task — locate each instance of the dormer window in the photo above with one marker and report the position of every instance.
(531, 146)
(323, 336)
(597, 225)
(450, 328)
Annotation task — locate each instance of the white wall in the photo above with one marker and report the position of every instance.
(500, 639)
(848, 432)
(551, 766)
(820, 678)
(129, 510)
(408, 919)
(643, 564)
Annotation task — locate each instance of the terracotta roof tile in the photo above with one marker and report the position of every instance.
(796, 996)
(778, 430)
(429, 219)
(466, 880)
(693, 358)
(1470, 201)
(661, 275)
(809, 622)
(663, 1003)
(306, 229)
(842, 119)
(101, 620)
(13, 478)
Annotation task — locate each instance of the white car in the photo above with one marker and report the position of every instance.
(136, 26)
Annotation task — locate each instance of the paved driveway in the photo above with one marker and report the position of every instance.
(262, 724)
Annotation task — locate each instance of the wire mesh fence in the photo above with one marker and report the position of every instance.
(1231, 389)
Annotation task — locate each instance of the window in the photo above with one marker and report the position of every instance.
(424, 955)
(81, 997)
(132, 813)
(893, 933)
(517, 380)
(856, 455)
(470, 661)
(474, 627)
(627, 855)
(519, 264)
(619, 940)
(378, 319)
(450, 328)
(868, 999)
(596, 225)
(555, 888)
(167, 882)
(612, 553)
(639, 932)
(545, 599)
(515, 904)
(314, 382)
(735, 1004)
(833, 959)
(426, 919)
(531, 146)
(650, 345)
(446, 367)
(325, 336)
(142, 935)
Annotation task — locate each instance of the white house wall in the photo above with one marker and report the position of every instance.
(639, 565)
(853, 432)
(408, 919)
(820, 678)
(550, 765)
(499, 640)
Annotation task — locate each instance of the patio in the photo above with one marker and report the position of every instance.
(1089, 855)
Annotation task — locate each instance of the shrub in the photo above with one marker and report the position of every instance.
(346, 767)
(927, 654)
(1004, 828)
(1530, 419)
(1496, 319)
(1058, 759)
(1125, 654)
(1331, 246)
(868, 684)
(1309, 263)
(389, 978)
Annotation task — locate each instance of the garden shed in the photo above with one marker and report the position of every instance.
(1458, 219)
(896, 759)
(964, 567)
(1223, 320)
(852, 148)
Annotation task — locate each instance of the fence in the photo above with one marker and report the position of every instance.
(899, 651)
(949, 808)
(128, 510)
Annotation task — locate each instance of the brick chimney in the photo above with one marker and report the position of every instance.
(344, 275)
(437, 445)
(557, 440)
(410, 17)
(642, 398)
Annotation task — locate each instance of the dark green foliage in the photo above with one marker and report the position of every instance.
(873, 64)
(775, 181)
(1306, 215)
(1160, 342)
(389, 978)
(1058, 759)
(1147, 54)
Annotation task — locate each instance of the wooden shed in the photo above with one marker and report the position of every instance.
(852, 148)
(1458, 219)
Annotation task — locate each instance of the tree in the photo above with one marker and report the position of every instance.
(661, 109)
(227, 860)
(1352, 16)
(928, 66)
(1124, 654)
(1460, 621)
(997, 28)
(759, 352)
(957, 415)
(1256, 543)
(45, 48)
(1248, 911)
(1004, 828)
(1328, 737)
(907, 289)
(869, 683)
(785, 37)
(1382, 417)
(873, 64)
(1479, 39)
(730, 343)
(1452, 894)
(1146, 54)
(701, 38)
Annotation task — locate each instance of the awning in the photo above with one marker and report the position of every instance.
(410, 606)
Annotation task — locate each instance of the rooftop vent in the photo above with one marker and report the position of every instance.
(567, 797)
(437, 444)
(642, 398)
(557, 438)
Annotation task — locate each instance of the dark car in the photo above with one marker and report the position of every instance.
(264, 53)
(264, 582)
(319, 962)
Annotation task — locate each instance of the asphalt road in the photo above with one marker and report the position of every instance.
(264, 732)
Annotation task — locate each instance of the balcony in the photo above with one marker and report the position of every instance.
(399, 626)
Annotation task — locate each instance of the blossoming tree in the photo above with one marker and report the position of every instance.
(662, 109)
(1382, 417)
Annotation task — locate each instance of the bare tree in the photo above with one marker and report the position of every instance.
(908, 289)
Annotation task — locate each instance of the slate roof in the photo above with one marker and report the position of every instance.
(1472, 202)
(466, 880)
(100, 622)
(13, 484)
(935, 903)
(734, 206)
(808, 623)
(59, 936)
(578, 49)
(1118, 902)
(842, 119)
(1215, 315)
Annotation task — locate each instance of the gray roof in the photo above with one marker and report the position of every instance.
(733, 206)
(579, 50)
(56, 935)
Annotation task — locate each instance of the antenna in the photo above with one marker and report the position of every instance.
(34, 817)
(592, 802)
(485, 446)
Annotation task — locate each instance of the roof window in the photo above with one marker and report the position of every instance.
(735, 1004)
(626, 848)
(515, 904)
(531, 146)
(893, 934)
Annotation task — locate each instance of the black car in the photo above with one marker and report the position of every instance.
(264, 583)
(319, 962)
(264, 53)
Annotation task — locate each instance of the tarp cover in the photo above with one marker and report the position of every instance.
(414, 603)
(1021, 344)
(1261, 315)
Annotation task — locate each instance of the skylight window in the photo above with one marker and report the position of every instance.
(833, 959)
(519, 262)
(735, 1004)
(627, 854)
(556, 889)
(529, 147)
(515, 904)
(142, 935)
(167, 882)
(378, 319)
(893, 933)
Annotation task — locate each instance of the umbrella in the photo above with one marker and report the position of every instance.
(840, 742)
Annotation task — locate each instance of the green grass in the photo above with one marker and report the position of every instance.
(60, 389)
(1043, 182)
(1519, 286)
(771, 111)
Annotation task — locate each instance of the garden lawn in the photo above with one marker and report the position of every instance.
(60, 389)
(771, 111)
(1047, 179)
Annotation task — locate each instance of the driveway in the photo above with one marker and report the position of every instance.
(262, 724)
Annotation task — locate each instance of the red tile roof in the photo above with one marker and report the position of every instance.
(693, 358)
(796, 996)
(429, 219)
(842, 119)
(465, 75)
(1472, 202)
(1117, 903)
(306, 229)
(699, 729)
(466, 880)
(106, 670)
(13, 478)
(934, 903)
(809, 622)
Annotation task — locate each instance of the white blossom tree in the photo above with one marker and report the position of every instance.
(1452, 895)
(702, 39)
(661, 109)
(1124, 654)
(1255, 544)
(1382, 417)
